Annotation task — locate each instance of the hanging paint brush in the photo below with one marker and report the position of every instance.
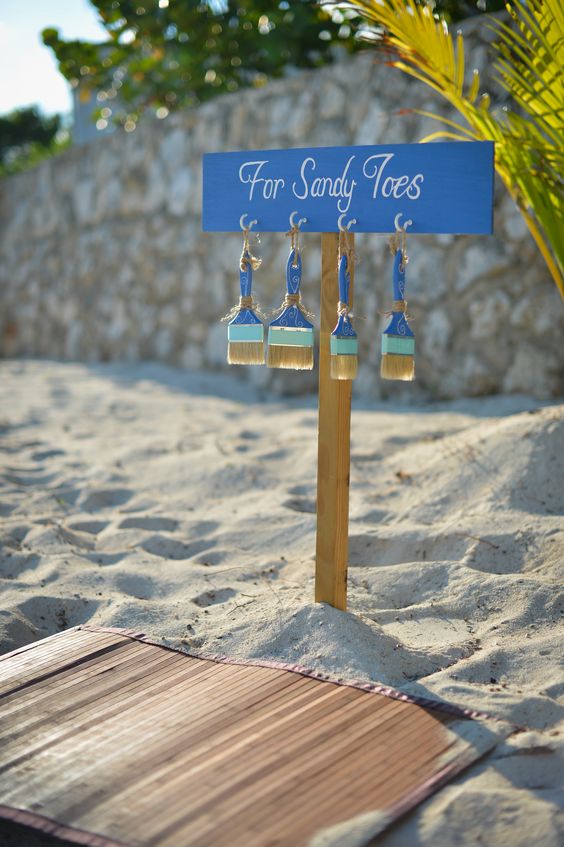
(245, 331)
(290, 335)
(344, 342)
(398, 341)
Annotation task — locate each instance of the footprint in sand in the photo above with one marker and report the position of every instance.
(104, 558)
(249, 435)
(300, 504)
(13, 564)
(106, 498)
(53, 614)
(494, 554)
(18, 448)
(366, 457)
(213, 557)
(27, 477)
(212, 598)
(152, 523)
(169, 548)
(41, 455)
(374, 516)
(15, 535)
(136, 586)
(300, 490)
(274, 454)
(92, 527)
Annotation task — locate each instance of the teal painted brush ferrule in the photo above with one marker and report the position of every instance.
(399, 346)
(290, 337)
(245, 332)
(344, 346)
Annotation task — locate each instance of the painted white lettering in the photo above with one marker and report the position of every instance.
(400, 183)
(305, 163)
(390, 186)
(414, 190)
(247, 175)
(344, 189)
(373, 168)
(265, 185)
(325, 186)
(319, 185)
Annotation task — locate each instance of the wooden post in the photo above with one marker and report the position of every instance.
(333, 457)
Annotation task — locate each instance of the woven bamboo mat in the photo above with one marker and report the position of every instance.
(106, 739)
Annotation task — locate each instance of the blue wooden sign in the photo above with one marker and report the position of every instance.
(443, 187)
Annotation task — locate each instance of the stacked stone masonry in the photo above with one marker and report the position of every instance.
(103, 258)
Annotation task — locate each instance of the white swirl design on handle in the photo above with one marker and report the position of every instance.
(292, 317)
(401, 326)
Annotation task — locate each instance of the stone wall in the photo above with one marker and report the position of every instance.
(103, 258)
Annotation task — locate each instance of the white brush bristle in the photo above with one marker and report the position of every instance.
(344, 367)
(394, 366)
(245, 353)
(291, 358)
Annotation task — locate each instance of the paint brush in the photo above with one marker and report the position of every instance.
(290, 335)
(398, 341)
(245, 331)
(344, 342)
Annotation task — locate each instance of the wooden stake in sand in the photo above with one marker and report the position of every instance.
(446, 188)
(333, 446)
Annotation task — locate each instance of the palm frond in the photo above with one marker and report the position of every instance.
(529, 56)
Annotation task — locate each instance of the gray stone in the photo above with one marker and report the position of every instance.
(488, 318)
(479, 259)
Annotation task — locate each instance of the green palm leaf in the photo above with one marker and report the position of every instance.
(528, 137)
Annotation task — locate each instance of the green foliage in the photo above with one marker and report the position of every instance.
(26, 137)
(161, 56)
(528, 60)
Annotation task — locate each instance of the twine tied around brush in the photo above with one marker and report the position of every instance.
(398, 241)
(345, 248)
(397, 306)
(294, 235)
(293, 300)
(244, 303)
(247, 257)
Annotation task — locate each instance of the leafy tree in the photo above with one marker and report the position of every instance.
(167, 54)
(527, 59)
(163, 55)
(26, 136)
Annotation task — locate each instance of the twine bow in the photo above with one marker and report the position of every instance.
(244, 303)
(397, 306)
(247, 257)
(294, 235)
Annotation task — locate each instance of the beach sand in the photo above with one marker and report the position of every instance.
(183, 505)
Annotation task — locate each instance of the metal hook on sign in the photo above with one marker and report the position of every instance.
(297, 225)
(244, 226)
(348, 226)
(403, 228)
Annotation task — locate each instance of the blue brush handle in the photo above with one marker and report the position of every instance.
(344, 280)
(246, 277)
(398, 280)
(398, 325)
(293, 274)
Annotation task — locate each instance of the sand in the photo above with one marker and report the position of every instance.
(183, 505)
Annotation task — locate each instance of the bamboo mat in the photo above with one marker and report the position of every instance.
(107, 739)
